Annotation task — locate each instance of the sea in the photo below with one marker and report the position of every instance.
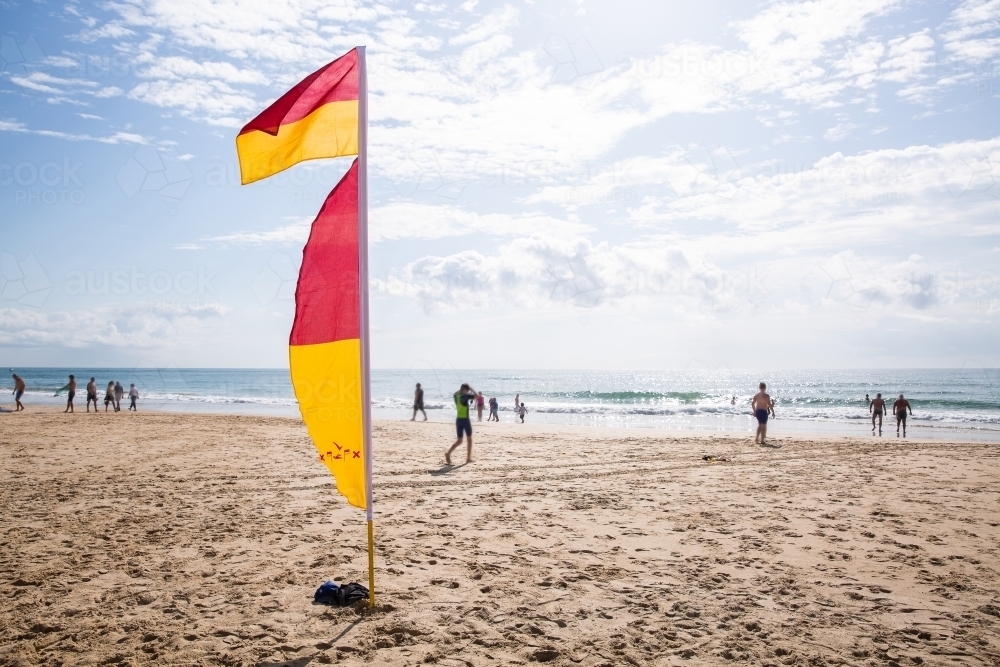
(947, 403)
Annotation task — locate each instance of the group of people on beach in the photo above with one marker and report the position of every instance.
(475, 398)
(877, 408)
(112, 395)
(465, 399)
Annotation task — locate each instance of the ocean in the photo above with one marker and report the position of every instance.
(947, 403)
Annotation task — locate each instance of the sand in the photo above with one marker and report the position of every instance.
(175, 539)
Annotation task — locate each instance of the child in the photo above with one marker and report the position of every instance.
(133, 395)
(520, 411)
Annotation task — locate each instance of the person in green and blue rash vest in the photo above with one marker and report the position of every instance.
(464, 397)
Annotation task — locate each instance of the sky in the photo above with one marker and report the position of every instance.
(553, 183)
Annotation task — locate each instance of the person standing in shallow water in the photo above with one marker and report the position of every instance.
(464, 398)
(418, 403)
(109, 397)
(762, 406)
(877, 408)
(92, 394)
(899, 408)
(71, 387)
(18, 392)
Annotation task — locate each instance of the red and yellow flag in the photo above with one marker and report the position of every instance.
(326, 115)
(325, 344)
(318, 118)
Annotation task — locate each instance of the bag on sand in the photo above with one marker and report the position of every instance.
(340, 596)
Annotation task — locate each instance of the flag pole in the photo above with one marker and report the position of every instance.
(366, 411)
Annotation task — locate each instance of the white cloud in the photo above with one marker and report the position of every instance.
(494, 23)
(176, 68)
(214, 101)
(46, 83)
(540, 272)
(972, 31)
(876, 193)
(115, 138)
(296, 231)
(405, 220)
(791, 43)
(141, 326)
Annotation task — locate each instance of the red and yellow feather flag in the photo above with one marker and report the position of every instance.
(325, 345)
(318, 118)
(324, 116)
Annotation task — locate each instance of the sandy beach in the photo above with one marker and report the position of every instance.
(176, 539)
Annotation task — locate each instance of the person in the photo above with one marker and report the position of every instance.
(418, 403)
(762, 405)
(119, 392)
(133, 396)
(18, 393)
(877, 408)
(868, 401)
(494, 409)
(92, 394)
(480, 404)
(464, 397)
(899, 408)
(517, 402)
(521, 411)
(109, 396)
(733, 402)
(71, 387)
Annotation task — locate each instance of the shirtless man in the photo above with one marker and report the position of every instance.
(899, 409)
(762, 405)
(877, 408)
(18, 392)
(92, 394)
(71, 387)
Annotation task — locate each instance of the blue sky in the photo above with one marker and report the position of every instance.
(563, 184)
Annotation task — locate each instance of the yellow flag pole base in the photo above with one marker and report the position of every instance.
(371, 564)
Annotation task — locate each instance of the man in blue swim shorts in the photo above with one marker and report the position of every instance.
(464, 397)
(18, 392)
(762, 405)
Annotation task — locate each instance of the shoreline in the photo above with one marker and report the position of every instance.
(800, 427)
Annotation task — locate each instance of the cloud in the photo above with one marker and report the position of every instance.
(176, 68)
(972, 32)
(407, 220)
(142, 326)
(494, 23)
(539, 272)
(46, 83)
(791, 43)
(213, 101)
(115, 138)
(295, 232)
(884, 191)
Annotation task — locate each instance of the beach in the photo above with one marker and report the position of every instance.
(199, 539)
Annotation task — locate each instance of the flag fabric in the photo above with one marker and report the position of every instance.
(325, 343)
(318, 118)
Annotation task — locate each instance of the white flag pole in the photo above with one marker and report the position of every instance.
(366, 411)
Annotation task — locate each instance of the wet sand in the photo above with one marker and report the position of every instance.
(176, 539)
